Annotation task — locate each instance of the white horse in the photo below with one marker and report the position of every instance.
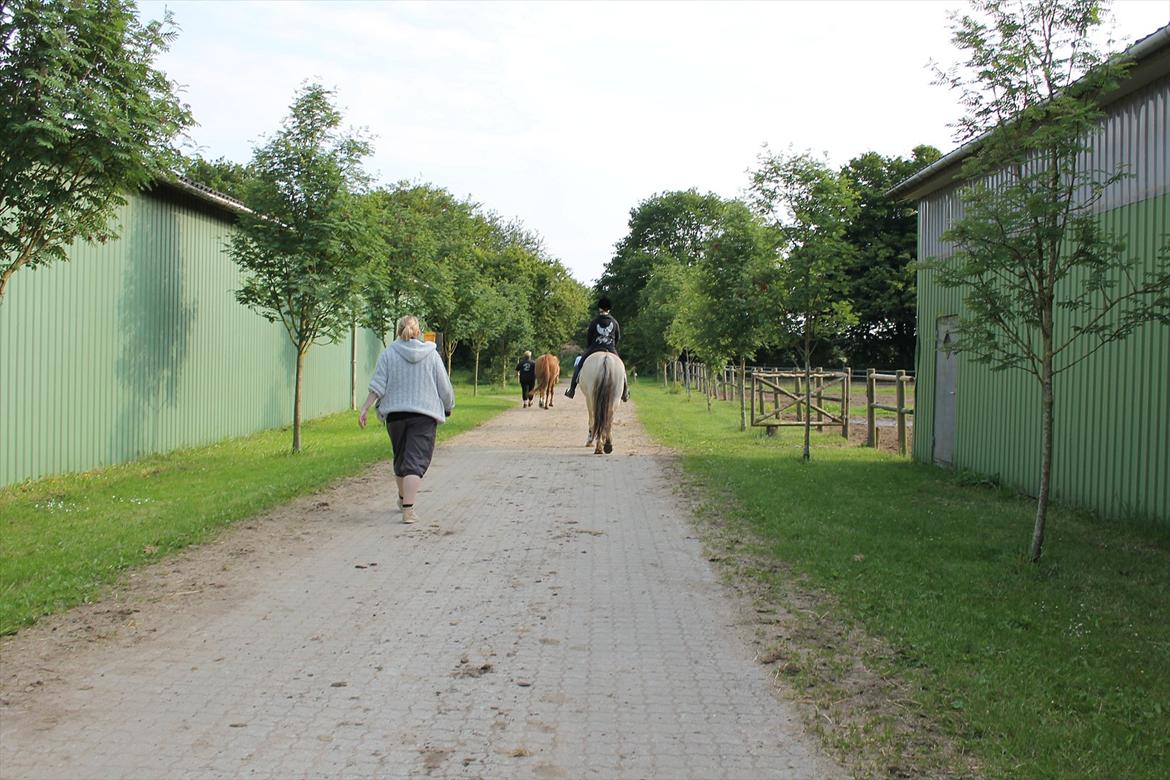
(602, 379)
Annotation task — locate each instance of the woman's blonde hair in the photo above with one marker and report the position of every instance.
(407, 327)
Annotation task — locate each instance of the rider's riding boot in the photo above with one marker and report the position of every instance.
(570, 391)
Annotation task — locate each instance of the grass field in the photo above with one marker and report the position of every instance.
(1056, 670)
(62, 539)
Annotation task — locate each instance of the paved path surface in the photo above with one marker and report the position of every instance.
(532, 625)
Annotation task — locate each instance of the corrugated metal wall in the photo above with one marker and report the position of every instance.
(139, 346)
(1112, 415)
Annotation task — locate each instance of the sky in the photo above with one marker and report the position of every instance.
(566, 115)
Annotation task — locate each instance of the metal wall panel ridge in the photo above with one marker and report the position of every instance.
(138, 346)
(1112, 430)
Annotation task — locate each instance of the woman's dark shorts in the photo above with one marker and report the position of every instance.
(412, 436)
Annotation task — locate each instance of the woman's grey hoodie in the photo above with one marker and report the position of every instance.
(410, 377)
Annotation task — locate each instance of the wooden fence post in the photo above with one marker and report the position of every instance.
(800, 396)
(845, 389)
(870, 400)
(901, 395)
(820, 388)
(742, 396)
(752, 393)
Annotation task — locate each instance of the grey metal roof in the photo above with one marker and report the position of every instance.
(1151, 60)
(205, 194)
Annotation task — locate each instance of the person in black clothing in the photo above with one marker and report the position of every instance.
(603, 336)
(526, 372)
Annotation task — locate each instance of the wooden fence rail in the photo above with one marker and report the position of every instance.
(901, 378)
(767, 397)
(770, 384)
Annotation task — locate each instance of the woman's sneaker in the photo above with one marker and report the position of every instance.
(408, 515)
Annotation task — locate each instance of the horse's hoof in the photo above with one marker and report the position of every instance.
(608, 448)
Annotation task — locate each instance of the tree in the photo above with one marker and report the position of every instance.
(884, 235)
(516, 328)
(736, 271)
(660, 304)
(668, 226)
(559, 306)
(809, 207)
(303, 246)
(483, 319)
(1045, 285)
(404, 265)
(221, 174)
(85, 117)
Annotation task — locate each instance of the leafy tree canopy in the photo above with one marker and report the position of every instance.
(881, 277)
(221, 174)
(84, 116)
(1045, 284)
(307, 240)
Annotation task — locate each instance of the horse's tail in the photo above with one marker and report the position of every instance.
(601, 397)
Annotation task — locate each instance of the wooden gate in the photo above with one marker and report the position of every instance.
(768, 386)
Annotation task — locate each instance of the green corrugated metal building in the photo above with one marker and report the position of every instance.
(1112, 414)
(138, 346)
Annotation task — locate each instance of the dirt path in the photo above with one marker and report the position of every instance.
(533, 624)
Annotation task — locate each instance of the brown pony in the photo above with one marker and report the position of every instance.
(548, 373)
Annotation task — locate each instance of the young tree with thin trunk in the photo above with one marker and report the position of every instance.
(484, 318)
(1045, 285)
(303, 247)
(85, 117)
(736, 270)
(809, 206)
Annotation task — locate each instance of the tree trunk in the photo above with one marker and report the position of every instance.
(9, 270)
(301, 350)
(475, 380)
(807, 400)
(352, 366)
(1045, 455)
(450, 350)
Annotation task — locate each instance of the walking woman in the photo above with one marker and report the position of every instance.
(413, 395)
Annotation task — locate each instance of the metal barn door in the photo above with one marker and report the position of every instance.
(946, 374)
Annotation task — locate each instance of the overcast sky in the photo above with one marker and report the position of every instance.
(567, 114)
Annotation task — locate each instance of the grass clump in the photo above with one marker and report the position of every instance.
(1055, 670)
(63, 538)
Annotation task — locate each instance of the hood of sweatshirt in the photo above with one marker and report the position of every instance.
(412, 351)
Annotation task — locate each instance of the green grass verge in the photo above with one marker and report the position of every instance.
(1055, 670)
(63, 538)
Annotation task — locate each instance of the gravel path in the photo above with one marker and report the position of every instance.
(551, 616)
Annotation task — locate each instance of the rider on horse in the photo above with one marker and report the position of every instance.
(602, 336)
